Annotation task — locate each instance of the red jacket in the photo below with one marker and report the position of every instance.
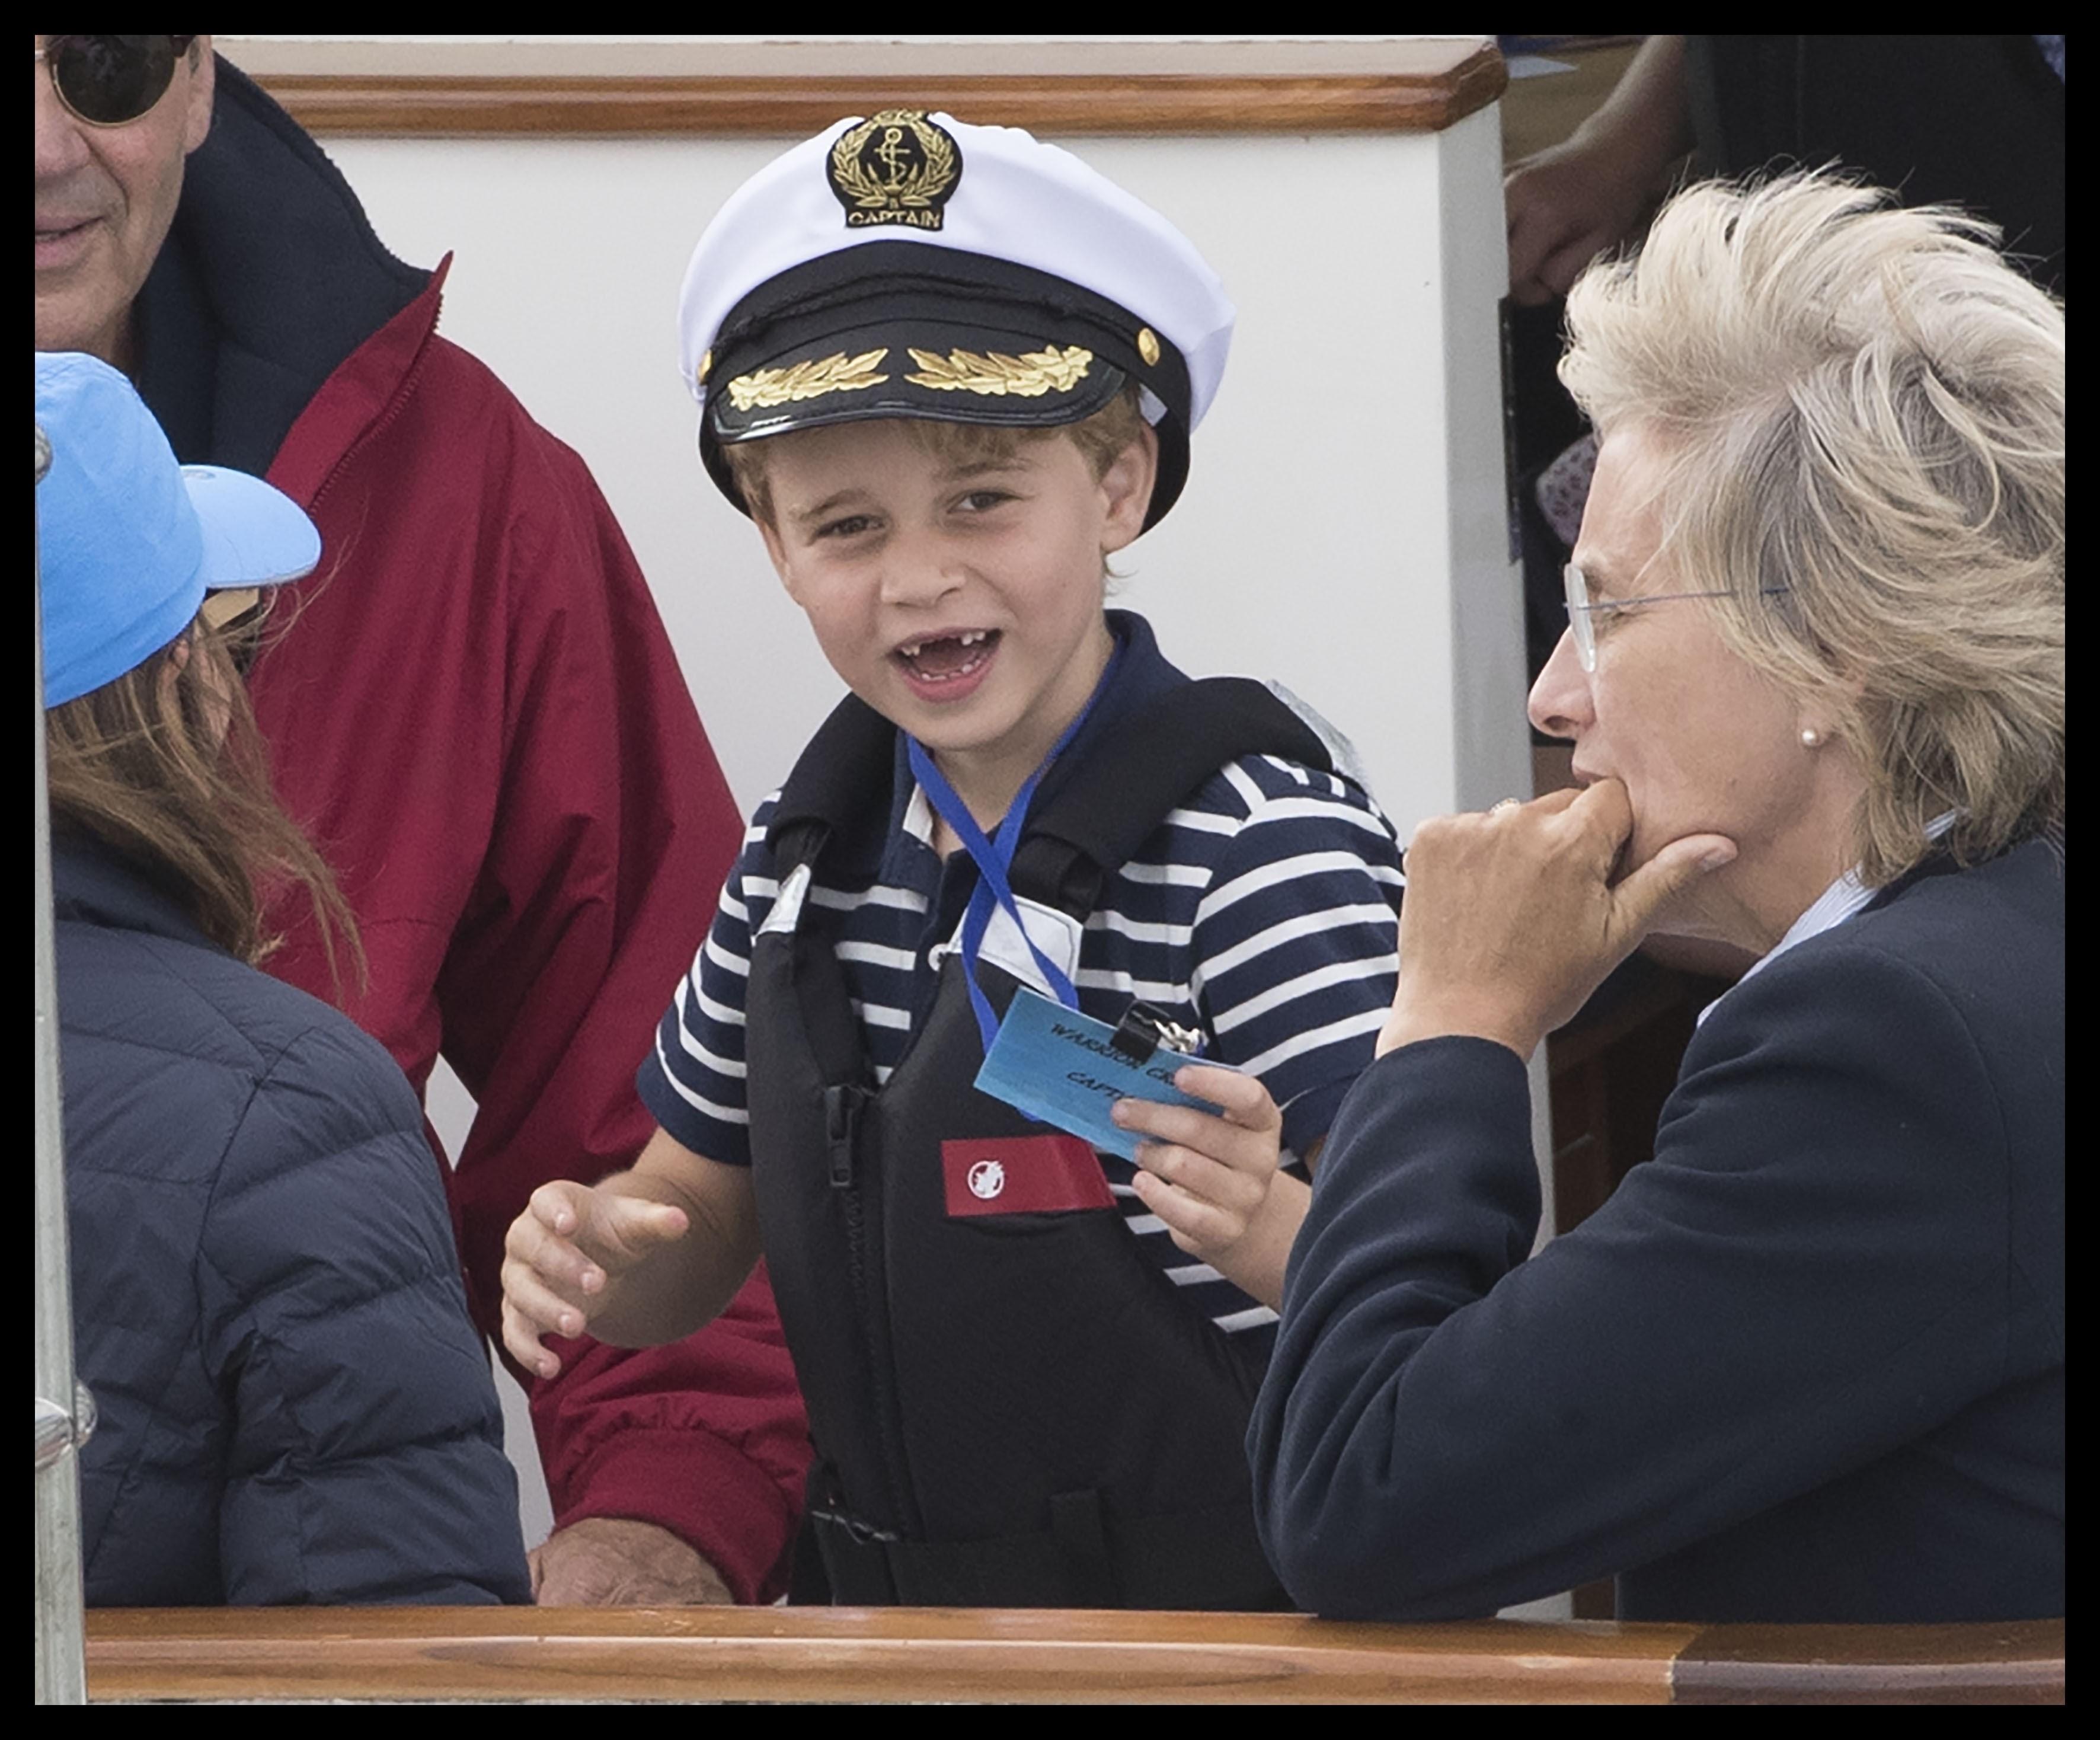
(479, 716)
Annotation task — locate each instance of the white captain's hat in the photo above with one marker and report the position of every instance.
(912, 265)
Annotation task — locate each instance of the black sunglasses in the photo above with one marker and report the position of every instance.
(109, 80)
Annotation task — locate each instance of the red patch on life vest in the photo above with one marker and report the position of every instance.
(1022, 1175)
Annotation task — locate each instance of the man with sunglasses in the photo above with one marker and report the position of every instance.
(109, 172)
(510, 865)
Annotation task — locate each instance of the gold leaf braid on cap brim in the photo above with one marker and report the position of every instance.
(1027, 377)
(813, 379)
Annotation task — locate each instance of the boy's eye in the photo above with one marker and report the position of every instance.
(850, 525)
(981, 500)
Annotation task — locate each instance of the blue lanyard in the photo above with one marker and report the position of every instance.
(994, 858)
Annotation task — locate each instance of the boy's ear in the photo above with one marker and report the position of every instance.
(1128, 486)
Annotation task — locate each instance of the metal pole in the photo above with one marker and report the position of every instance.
(64, 1417)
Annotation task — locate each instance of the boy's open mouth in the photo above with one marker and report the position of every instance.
(943, 658)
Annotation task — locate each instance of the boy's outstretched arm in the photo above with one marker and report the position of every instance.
(645, 1257)
(1213, 1177)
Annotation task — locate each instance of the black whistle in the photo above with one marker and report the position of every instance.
(1141, 1032)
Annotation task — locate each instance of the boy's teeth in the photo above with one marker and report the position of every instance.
(968, 638)
(938, 657)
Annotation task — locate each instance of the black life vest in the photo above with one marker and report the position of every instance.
(1008, 1409)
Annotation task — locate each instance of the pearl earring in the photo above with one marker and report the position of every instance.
(1810, 738)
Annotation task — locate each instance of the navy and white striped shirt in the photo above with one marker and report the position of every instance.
(1261, 911)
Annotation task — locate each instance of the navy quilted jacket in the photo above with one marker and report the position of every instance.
(266, 1302)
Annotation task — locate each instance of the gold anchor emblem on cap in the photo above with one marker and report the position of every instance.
(899, 167)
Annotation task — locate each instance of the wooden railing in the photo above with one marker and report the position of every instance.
(351, 87)
(817, 1655)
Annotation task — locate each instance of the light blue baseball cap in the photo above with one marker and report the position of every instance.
(128, 541)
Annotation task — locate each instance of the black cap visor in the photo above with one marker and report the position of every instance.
(947, 369)
(941, 336)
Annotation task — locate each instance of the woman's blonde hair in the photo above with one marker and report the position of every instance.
(1863, 405)
(166, 767)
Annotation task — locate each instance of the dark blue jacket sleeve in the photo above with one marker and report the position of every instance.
(366, 1461)
(1813, 1270)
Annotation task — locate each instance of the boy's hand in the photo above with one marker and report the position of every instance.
(564, 1252)
(1212, 1177)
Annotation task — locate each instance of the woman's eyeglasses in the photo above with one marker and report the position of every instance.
(106, 80)
(1580, 605)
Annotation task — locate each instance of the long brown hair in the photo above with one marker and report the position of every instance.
(166, 767)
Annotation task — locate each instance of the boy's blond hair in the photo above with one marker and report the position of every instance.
(1101, 439)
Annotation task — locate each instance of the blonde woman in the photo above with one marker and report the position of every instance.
(1807, 1365)
(268, 1306)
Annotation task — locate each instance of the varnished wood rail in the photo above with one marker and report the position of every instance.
(818, 1655)
(433, 89)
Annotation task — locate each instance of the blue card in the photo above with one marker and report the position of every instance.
(1061, 1068)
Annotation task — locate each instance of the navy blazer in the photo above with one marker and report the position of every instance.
(1805, 1365)
(267, 1300)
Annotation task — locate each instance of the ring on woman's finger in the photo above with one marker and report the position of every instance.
(1506, 803)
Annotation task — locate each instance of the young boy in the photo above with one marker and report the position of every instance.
(949, 371)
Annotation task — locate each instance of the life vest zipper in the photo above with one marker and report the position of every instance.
(843, 1104)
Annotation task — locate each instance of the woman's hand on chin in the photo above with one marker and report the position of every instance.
(1512, 918)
